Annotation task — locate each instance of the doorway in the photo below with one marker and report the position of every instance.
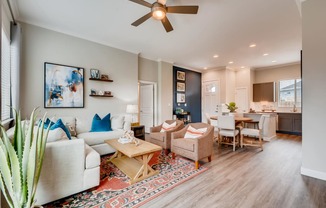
(241, 99)
(211, 97)
(147, 104)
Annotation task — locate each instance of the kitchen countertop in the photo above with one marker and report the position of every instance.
(259, 112)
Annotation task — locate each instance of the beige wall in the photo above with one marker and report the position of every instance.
(276, 74)
(42, 45)
(148, 70)
(314, 85)
(230, 86)
(217, 75)
(165, 91)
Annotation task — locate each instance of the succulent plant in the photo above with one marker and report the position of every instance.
(232, 106)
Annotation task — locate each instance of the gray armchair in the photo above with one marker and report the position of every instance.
(163, 139)
(194, 149)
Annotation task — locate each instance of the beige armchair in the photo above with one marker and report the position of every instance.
(195, 149)
(163, 139)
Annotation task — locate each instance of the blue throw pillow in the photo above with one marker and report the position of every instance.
(99, 124)
(60, 124)
(46, 123)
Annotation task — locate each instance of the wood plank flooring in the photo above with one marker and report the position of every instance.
(250, 177)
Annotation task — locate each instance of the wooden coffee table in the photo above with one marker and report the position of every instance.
(133, 160)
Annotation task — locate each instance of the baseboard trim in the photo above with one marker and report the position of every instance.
(313, 173)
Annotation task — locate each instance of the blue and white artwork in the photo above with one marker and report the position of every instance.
(63, 86)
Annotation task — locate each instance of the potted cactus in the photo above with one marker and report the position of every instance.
(232, 107)
(21, 162)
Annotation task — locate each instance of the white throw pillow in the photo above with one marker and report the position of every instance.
(193, 133)
(56, 135)
(167, 127)
(117, 122)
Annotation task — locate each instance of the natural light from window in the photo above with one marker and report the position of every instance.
(289, 93)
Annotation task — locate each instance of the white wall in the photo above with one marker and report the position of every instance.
(165, 91)
(276, 74)
(230, 85)
(148, 70)
(314, 85)
(42, 45)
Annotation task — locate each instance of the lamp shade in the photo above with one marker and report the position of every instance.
(133, 109)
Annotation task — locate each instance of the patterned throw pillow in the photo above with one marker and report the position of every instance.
(167, 127)
(193, 133)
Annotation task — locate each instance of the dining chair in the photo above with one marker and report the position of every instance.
(227, 129)
(254, 133)
(214, 123)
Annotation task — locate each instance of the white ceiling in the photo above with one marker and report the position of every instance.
(223, 27)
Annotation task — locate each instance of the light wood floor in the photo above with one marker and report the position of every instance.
(249, 177)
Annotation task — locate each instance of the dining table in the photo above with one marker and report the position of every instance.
(238, 119)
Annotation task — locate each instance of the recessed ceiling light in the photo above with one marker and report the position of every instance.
(265, 54)
(205, 68)
(242, 67)
(274, 61)
(252, 45)
(215, 56)
(230, 62)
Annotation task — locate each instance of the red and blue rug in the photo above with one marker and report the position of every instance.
(115, 191)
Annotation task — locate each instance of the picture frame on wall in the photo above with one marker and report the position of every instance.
(181, 98)
(181, 86)
(63, 86)
(181, 76)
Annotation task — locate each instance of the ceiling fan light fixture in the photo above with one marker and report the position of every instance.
(158, 12)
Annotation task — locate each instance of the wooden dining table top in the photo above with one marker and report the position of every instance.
(236, 118)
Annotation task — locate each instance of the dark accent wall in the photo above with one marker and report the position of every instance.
(193, 93)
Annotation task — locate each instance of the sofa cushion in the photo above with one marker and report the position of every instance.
(100, 125)
(60, 124)
(56, 134)
(117, 122)
(94, 138)
(92, 158)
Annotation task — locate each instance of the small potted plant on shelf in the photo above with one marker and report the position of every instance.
(232, 107)
(21, 162)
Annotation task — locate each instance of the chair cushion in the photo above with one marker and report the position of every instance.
(160, 136)
(228, 133)
(192, 133)
(250, 132)
(168, 127)
(92, 159)
(100, 125)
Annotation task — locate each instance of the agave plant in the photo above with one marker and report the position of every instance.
(21, 161)
(232, 106)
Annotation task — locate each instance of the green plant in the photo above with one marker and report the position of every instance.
(21, 162)
(232, 106)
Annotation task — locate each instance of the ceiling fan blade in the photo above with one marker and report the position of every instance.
(142, 19)
(182, 9)
(141, 2)
(167, 24)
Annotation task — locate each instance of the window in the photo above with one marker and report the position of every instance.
(289, 93)
(5, 77)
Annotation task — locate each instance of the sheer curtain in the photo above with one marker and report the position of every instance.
(16, 44)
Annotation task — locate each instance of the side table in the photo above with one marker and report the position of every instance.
(139, 131)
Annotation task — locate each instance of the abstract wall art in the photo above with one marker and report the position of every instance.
(63, 86)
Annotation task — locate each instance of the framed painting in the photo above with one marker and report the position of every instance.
(181, 98)
(181, 86)
(181, 75)
(63, 86)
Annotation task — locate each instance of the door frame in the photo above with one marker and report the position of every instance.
(203, 92)
(154, 97)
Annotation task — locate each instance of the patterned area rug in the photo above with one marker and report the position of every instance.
(115, 191)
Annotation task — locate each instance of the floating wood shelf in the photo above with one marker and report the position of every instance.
(101, 95)
(103, 80)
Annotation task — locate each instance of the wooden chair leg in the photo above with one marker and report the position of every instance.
(210, 158)
(173, 155)
(233, 143)
(241, 140)
(196, 164)
(261, 143)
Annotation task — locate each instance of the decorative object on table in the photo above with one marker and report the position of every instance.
(105, 77)
(95, 74)
(181, 87)
(107, 93)
(63, 86)
(181, 98)
(21, 162)
(133, 110)
(128, 137)
(115, 191)
(93, 92)
(232, 107)
(181, 75)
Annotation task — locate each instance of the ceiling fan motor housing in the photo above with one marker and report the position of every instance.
(158, 11)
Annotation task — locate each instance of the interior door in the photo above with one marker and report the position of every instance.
(241, 99)
(211, 97)
(147, 106)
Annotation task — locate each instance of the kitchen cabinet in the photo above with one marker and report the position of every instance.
(264, 92)
(290, 123)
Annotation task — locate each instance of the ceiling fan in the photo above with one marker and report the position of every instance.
(159, 10)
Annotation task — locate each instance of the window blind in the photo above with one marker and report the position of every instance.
(5, 77)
